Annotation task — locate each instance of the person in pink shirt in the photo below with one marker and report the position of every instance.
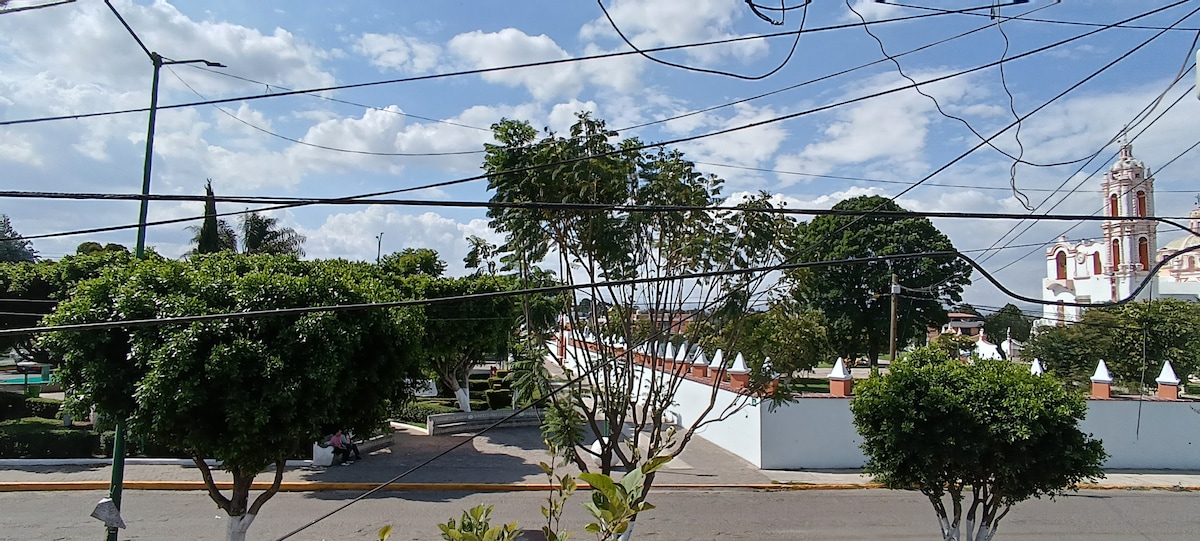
(343, 446)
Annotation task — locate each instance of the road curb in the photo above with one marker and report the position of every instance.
(325, 486)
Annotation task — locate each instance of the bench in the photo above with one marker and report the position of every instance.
(442, 424)
(323, 452)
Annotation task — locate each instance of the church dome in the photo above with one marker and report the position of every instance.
(1126, 160)
(1183, 243)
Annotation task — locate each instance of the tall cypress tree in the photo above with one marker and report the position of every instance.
(209, 241)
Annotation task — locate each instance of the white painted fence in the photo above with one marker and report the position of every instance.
(817, 432)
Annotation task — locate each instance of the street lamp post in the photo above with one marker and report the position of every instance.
(378, 246)
(139, 251)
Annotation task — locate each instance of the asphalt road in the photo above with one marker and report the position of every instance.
(692, 514)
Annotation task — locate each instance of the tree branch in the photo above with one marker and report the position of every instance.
(262, 498)
(213, 492)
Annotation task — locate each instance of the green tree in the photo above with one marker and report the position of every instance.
(410, 261)
(460, 335)
(988, 434)
(591, 167)
(855, 296)
(208, 239)
(246, 391)
(28, 291)
(14, 251)
(997, 325)
(794, 338)
(1134, 339)
(92, 247)
(481, 256)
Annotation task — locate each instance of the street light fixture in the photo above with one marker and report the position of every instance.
(118, 468)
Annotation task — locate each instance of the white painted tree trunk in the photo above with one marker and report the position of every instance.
(627, 535)
(237, 527)
(464, 399)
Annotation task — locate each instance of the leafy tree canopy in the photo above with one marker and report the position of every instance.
(1010, 318)
(855, 297)
(247, 392)
(91, 247)
(410, 261)
(14, 251)
(989, 432)
(1134, 340)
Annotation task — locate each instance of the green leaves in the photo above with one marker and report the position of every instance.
(931, 425)
(614, 505)
(475, 525)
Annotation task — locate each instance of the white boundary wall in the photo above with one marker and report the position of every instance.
(817, 432)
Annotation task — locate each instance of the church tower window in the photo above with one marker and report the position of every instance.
(1060, 262)
(1141, 203)
(1097, 269)
(1112, 205)
(1116, 254)
(1144, 253)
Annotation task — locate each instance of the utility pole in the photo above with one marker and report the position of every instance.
(139, 251)
(378, 246)
(895, 296)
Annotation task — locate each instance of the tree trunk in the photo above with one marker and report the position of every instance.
(627, 535)
(464, 399)
(237, 526)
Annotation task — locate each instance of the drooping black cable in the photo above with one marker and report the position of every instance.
(668, 63)
(477, 71)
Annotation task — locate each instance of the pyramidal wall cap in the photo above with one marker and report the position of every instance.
(739, 365)
(1167, 376)
(700, 358)
(681, 355)
(1101, 375)
(1036, 368)
(669, 352)
(718, 360)
(839, 371)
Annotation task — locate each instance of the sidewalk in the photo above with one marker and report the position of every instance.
(504, 460)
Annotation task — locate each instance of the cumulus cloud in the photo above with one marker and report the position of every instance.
(352, 235)
(399, 53)
(655, 23)
(511, 46)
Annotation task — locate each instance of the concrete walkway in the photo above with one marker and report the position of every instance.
(505, 459)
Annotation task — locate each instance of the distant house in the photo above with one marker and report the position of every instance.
(961, 323)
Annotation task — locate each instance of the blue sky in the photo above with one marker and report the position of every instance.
(77, 58)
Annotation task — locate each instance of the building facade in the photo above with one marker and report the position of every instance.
(1115, 266)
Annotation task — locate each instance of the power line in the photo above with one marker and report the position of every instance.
(722, 132)
(1046, 21)
(314, 145)
(667, 63)
(477, 71)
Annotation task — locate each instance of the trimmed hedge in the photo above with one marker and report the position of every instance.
(138, 446)
(12, 406)
(418, 412)
(499, 399)
(35, 437)
(46, 408)
(479, 385)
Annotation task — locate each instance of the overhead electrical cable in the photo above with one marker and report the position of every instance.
(477, 71)
(719, 132)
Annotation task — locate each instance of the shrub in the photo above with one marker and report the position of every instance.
(503, 374)
(140, 446)
(478, 405)
(418, 412)
(46, 408)
(499, 399)
(498, 383)
(479, 385)
(12, 406)
(35, 437)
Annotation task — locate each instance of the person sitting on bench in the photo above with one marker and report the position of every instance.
(342, 446)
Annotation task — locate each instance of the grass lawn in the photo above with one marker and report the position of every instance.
(810, 385)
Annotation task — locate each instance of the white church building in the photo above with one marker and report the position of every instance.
(1108, 269)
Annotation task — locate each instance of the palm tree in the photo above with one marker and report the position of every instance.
(262, 235)
(259, 234)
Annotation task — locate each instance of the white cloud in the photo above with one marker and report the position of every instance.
(18, 149)
(353, 235)
(655, 23)
(399, 53)
(510, 46)
(871, 11)
(891, 129)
